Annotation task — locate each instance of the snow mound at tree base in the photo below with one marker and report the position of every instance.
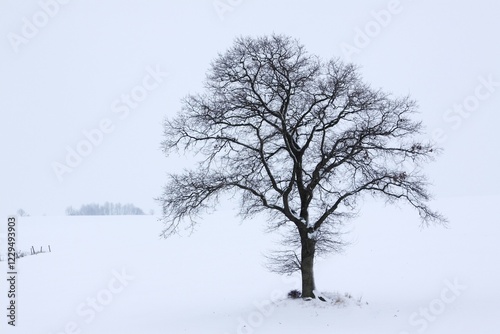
(328, 300)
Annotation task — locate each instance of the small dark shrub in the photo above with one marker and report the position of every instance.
(294, 294)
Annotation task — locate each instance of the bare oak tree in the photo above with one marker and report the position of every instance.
(298, 138)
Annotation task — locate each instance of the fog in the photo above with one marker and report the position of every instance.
(85, 85)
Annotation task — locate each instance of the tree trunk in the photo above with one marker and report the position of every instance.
(307, 266)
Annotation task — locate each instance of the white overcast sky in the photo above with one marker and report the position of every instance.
(67, 74)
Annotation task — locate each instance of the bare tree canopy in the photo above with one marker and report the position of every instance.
(297, 137)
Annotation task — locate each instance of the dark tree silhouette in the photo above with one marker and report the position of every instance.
(298, 138)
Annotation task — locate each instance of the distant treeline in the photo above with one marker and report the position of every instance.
(107, 208)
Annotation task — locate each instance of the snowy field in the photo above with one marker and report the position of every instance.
(85, 91)
(115, 275)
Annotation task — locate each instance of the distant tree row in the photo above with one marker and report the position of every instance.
(95, 209)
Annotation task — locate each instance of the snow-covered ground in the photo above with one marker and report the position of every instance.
(115, 275)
